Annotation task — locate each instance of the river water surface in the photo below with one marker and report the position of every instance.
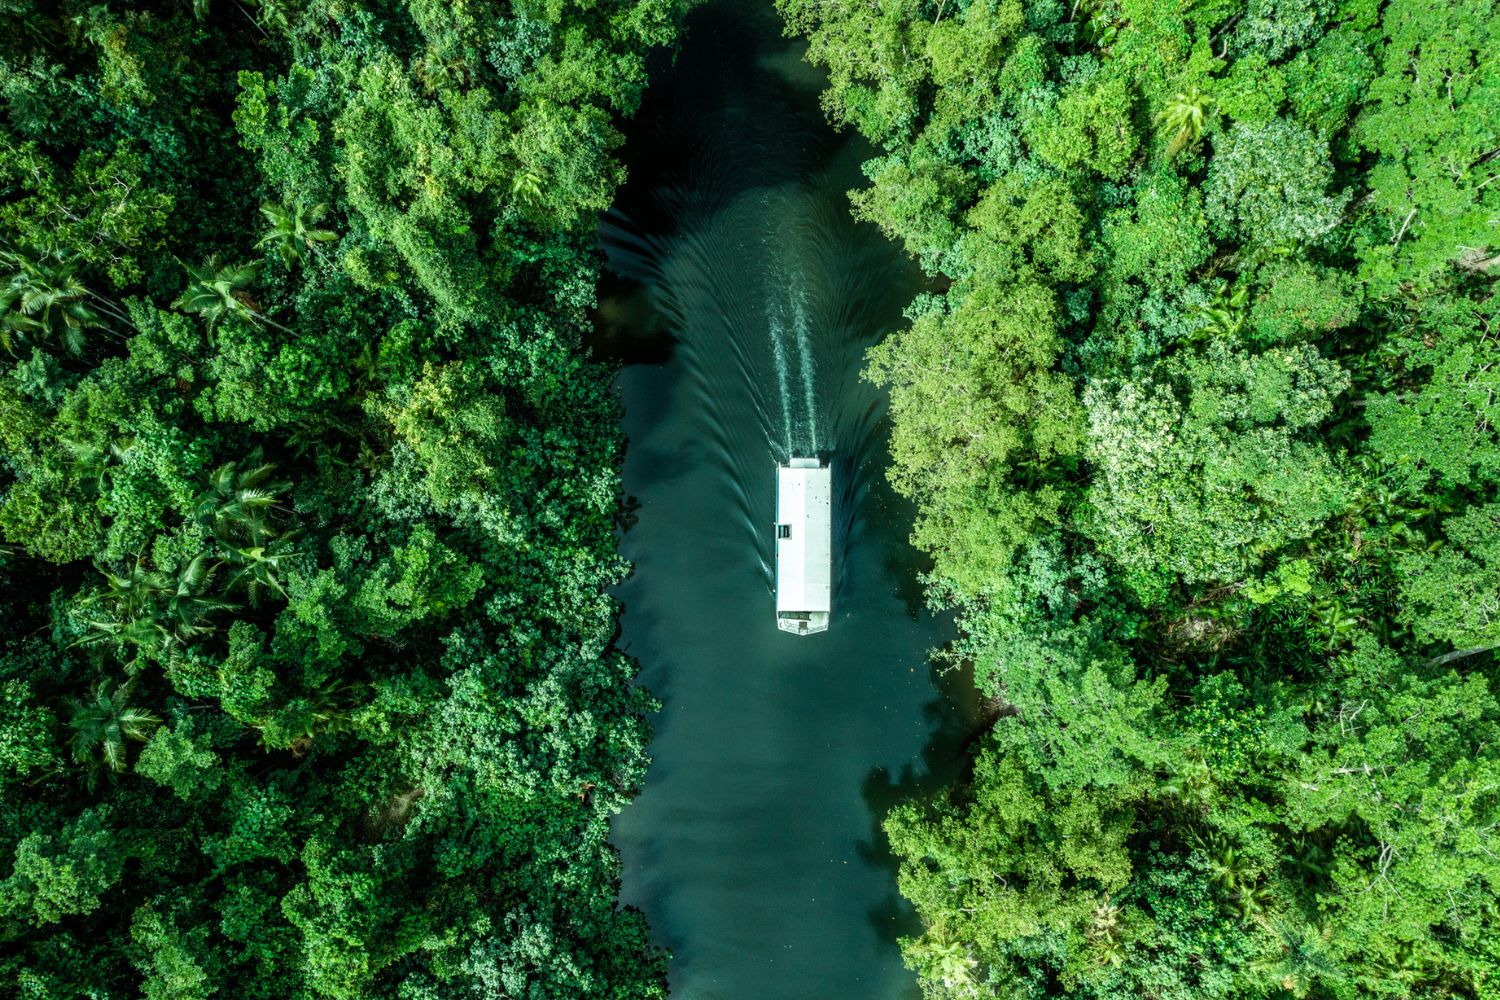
(741, 299)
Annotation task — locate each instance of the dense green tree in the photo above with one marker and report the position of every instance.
(1267, 186)
(1202, 436)
(307, 500)
(1201, 489)
(1452, 593)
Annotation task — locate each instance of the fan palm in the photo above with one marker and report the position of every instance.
(102, 724)
(43, 300)
(294, 228)
(1185, 116)
(216, 292)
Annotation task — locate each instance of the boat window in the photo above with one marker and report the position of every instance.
(783, 531)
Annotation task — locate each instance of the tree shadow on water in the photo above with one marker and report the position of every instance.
(954, 722)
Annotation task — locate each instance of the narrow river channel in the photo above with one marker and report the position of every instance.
(741, 300)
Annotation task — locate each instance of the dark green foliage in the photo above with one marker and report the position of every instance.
(307, 501)
(1202, 428)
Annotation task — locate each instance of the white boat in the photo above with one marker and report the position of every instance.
(804, 546)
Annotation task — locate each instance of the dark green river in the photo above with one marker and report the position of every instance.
(741, 299)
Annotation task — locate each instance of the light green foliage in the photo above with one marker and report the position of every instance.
(562, 156)
(104, 209)
(1089, 127)
(1452, 593)
(420, 581)
(1253, 91)
(1203, 486)
(273, 123)
(454, 421)
(1014, 862)
(914, 201)
(408, 179)
(1430, 121)
(873, 55)
(1019, 228)
(1268, 186)
(971, 391)
(968, 48)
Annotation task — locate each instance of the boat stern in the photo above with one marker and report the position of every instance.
(802, 622)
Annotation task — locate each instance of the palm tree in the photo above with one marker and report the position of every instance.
(131, 591)
(527, 185)
(1191, 787)
(1300, 957)
(256, 567)
(44, 300)
(1224, 316)
(948, 960)
(294, 229)
(216, 292)
(150, 612)
(328, 709)
(189, 602)
(273, 14)
(1101, 31)
(237, 505)
(1105, 933)
(1185, 115)
(103, 724)
(98, 462)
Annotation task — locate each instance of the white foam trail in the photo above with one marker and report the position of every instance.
(783, 376)
(804, 352)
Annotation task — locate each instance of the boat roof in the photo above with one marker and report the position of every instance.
(804, 559)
